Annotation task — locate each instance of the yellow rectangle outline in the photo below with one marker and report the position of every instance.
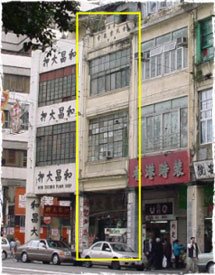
(139, 140)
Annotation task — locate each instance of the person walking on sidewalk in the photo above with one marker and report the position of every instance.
(192, 259)
(177, 251)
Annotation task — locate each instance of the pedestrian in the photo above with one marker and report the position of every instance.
(167, 251)
(192, 256)
(158, 254)
(13, 246)
(177, 251)
(148, 246)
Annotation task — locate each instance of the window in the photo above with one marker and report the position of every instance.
(108, 137)
(17, 83)
(164, 125)
(205, 106)
(109, 72)
(57, 86)
(204, 41)
(55, 144)
(24, 119)
(165, 54)
(97, 246)
(14, 158)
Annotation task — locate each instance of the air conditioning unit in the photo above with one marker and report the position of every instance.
(108, 154)
(181, 41)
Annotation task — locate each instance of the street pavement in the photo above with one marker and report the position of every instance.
(11, 266)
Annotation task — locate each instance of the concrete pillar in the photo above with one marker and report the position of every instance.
(83, 222)
(32, 219)
(132, 232)
(195, 214)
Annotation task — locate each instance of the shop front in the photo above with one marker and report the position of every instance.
(205, 180)
(164, 194)
(107, 216)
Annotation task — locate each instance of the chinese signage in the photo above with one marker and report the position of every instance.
(169, 168)
(204, 169)
(20, 201)
(64, 55)
(57, 113)
(159, 211)
(55, 179)
(35, 205)
(173, 231)
(56, 211)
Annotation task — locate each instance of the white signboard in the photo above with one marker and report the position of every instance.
(55, 179)
(204, 169)
(63, 56)
(56, 113)
(22, 201)
(173, 231)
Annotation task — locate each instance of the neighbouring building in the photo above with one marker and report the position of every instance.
(50, 190)
(177, 167)
(15, 104)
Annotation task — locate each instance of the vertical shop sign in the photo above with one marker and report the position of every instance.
(173, 231)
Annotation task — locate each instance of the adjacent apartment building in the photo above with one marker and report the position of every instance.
(16, 66)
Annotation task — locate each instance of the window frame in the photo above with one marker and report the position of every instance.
(206, 120)
(55, 144)
(108, 67)
(153, 114)
(200, 47)
(148, 46)
(57, 86)
(108, 137)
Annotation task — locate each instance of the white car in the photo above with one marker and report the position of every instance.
(206, 263)
(111, 250)
(5, 248)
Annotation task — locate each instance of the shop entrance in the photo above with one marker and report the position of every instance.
(208, 235)
(159, 229)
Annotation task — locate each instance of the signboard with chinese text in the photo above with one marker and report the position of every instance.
(158, 211)
(173, 231)
(204, 169)
(169, 168)
(55, 179)
(63, 56)
(56, 211)
(20, 201)
(56, 113)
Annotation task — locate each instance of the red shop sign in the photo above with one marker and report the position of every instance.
(170, 168)
(56, 211)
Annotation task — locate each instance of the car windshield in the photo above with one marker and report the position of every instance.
(121, 247)
(56, 244)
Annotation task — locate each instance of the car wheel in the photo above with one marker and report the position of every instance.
(140, 267)
(115, 265)
(4, 255)
(55, 259)
(87, 264)
(45, 262)
(210, 268)
(24, 257)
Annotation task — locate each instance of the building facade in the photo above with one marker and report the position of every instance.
(177, 69)
(176, 106)
(15, 106)
(51, 163)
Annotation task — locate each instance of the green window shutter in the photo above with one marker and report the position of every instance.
(198, 43)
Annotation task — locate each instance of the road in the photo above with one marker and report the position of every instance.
(11, 266)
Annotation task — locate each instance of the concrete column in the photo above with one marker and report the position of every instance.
(83, 222)
(32, 219)
(132, 219)
(195, 214)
